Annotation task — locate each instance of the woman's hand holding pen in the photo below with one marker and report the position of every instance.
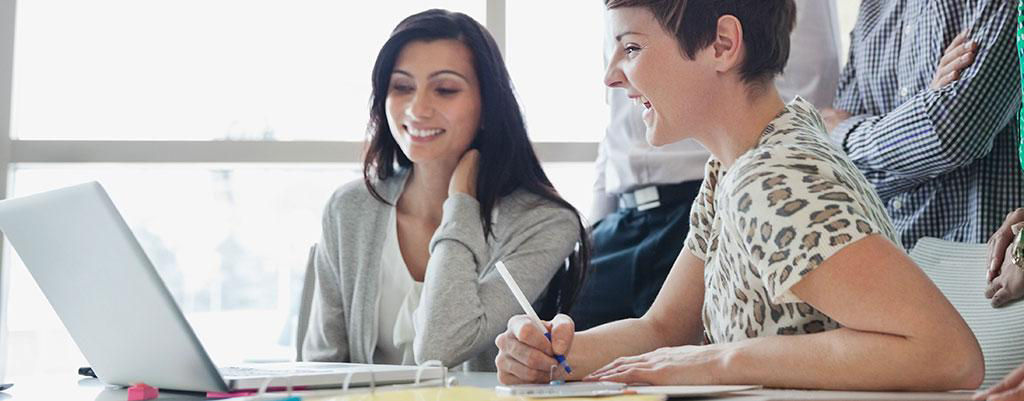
(526, 356)
(464, 178)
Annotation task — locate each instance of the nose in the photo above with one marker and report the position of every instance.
(613, 76)
(420, 107)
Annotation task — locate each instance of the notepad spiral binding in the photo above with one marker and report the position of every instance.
(264, 394)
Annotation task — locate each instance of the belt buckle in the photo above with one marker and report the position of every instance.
(646, 198)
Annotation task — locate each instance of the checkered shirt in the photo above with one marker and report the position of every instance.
(943, 161)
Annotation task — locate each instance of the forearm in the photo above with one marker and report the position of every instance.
(461, 311)
(594, 348)
(450, 320)
(674, 319)
(840, 359)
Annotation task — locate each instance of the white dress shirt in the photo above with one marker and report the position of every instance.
(626, 161)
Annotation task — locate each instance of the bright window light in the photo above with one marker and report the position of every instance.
(201, 69)
(555, 57)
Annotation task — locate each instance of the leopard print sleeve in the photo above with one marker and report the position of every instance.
(792, 207)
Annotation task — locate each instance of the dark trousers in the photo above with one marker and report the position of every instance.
(633, 252)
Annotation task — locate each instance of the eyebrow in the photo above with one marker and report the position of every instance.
(434, 74)
(619, 36)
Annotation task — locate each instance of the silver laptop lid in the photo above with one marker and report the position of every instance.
(105, 290)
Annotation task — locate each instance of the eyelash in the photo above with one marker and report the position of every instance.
(407, 89)
(630, 49)
(401, 88)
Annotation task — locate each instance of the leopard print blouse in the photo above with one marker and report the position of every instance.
(782, 209)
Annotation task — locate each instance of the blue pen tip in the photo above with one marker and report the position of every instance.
(560, 358)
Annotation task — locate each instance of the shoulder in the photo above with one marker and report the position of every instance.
(794, 146)
(353, 201)
(813, 185)
(786, 176)
(353, 193)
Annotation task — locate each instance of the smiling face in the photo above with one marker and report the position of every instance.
(650, 66)
(433, 103)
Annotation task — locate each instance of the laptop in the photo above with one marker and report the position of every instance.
(117, 309)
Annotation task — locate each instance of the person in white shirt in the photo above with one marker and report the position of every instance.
(643, 193)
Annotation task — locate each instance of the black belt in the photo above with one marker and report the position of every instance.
(658, 195)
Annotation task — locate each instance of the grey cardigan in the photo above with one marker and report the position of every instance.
(464, 304)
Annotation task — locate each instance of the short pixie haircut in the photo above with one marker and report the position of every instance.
(767, 25)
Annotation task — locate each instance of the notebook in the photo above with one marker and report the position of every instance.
(600, 389)
(434, 393)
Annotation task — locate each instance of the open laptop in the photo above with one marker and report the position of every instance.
(110, 298)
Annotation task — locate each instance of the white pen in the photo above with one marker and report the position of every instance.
(525, 304)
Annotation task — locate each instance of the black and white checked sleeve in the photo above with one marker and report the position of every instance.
(935, 132)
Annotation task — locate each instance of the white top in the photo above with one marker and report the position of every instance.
(399, 296)
(626, 161)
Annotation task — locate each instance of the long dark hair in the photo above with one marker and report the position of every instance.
(507, 160)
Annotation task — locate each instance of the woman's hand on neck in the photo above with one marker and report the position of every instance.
(464, 177)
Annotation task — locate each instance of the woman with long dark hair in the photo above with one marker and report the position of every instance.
(451, 185)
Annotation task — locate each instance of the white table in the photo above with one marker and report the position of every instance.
(73, 388)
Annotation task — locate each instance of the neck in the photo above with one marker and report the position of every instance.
(740, 122)
(427, 189)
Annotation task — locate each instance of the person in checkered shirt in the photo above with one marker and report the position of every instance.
(942, 157)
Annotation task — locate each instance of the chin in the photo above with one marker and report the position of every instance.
(654, 138)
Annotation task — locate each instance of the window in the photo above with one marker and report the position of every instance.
(847, 11)
(195, 69)
(557, 70)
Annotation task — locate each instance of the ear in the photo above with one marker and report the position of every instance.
(728, 44)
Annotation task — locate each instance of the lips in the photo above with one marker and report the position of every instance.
(422, 134)
(641, 101)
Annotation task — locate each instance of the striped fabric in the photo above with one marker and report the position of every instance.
(958, 270)
(944, 162)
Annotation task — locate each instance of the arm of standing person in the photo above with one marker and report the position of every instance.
(947, 128)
